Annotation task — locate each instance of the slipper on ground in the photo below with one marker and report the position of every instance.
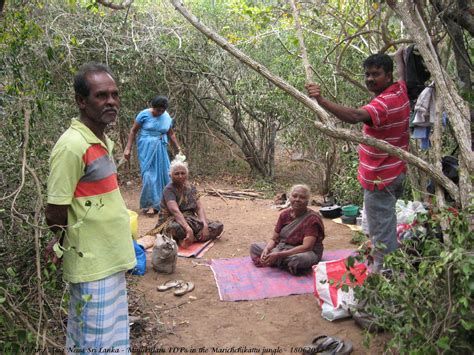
(184, 288)
(324, 344)
(170, 284)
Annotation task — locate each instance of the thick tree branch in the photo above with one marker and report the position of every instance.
(455, 107)
(344, 134)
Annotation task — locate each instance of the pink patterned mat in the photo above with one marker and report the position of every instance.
(238, 279)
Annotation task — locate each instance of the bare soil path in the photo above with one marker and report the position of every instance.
(200, 322)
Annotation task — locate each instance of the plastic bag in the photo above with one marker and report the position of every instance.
(407, 212)
(328, 280)
(140, 255)
(165, 254)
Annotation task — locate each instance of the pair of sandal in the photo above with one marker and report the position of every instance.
(181, 287)
(324, 344)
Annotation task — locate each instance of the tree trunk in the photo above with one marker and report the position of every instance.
(455, 107)
(331, 131)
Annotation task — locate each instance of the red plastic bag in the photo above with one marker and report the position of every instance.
(328, 281)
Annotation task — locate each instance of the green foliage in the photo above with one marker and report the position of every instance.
(225, 113)
(25, 141)
(358, 238)
(426, 301)
(346, 188)
(257, 13)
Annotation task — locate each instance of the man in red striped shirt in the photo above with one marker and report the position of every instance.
(386, 117)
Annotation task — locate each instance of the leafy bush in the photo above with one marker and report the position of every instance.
(426, 301)
(346, 188)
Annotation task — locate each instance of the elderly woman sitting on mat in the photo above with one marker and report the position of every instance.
(297, 241)
(181, 213)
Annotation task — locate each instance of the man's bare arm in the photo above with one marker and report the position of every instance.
(56, 218)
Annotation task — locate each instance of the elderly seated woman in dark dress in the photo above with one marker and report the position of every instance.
(297, 241)
(182, 214)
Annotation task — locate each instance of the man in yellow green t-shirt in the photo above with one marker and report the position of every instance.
(86, 208)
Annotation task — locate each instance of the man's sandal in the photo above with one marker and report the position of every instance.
(170, 284)
(184, 288)
(324, 344)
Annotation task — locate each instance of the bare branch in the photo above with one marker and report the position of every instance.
(304, 54)
(299, 34)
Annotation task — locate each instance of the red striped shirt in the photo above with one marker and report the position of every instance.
(389, 113)
(100, 175)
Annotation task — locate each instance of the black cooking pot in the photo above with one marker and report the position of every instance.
(331, 212)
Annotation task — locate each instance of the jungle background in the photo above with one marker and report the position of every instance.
(240, 120)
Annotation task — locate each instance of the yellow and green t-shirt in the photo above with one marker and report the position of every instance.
(83, 176)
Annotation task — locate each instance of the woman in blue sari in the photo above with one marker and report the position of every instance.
(154, 127)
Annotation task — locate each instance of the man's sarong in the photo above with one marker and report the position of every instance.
(98, 316)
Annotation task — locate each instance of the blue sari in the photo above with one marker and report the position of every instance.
(152, 144)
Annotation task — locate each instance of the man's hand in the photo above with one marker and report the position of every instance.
(50, 254)
(314, 91)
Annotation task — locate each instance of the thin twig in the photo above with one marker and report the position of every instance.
(23, 158)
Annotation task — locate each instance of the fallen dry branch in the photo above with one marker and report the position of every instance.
(234, 194)
(218, 194)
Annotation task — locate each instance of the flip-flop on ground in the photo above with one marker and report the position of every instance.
(184, 288)
(170, 284)
(324, 344)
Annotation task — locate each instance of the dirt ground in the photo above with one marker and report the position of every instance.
(200, 322)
